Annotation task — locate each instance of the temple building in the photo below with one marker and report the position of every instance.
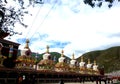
(8, 51)
(89, 67)
(95, 68)
(46, 64)
(62, 65)
(73, 64)
(5, 51)
(82, 66)
(25, 60)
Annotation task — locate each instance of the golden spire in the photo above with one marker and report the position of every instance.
(94, 62)
(81, 58)
(88, 61)
(62, 53)
(27, 42)
(73, 56)
(47, 47)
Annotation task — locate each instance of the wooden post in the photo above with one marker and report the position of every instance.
(37, 80)
(61, 82)
(6, 79)
(105, 81)
(96, 81)
(99, 81)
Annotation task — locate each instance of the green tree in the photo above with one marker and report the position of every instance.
(9, 17)
(99, 3)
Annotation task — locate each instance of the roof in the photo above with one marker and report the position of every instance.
(9, 42)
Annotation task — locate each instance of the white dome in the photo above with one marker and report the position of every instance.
(89, 66)
(82, 64)
(23, 52)
(95, 67)
(61, 59)
(73, 62)
(46, 56)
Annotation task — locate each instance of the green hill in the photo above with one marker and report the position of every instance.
(108, 58)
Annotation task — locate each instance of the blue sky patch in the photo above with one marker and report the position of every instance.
(57, 44)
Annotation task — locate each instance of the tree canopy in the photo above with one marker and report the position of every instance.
(99, 3)
(92, 3)
(10, 15)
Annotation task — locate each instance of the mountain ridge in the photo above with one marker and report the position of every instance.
(108, 58)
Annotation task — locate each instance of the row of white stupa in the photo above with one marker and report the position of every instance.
(46, 64)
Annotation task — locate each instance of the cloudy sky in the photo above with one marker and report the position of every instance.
(70, 25)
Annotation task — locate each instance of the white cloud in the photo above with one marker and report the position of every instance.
(87, 29)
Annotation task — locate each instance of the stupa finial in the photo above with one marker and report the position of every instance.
(73, 57)
(27, 44)
(88, 61)
(81, 58)
(94, 62)
(62, 53)
(47, 47)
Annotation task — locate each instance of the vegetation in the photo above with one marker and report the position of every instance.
(92, 3)
(10, 15)
(98, 3)
(108, 58)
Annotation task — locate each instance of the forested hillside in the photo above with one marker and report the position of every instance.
(108, 58)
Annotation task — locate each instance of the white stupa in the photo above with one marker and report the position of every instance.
(82, 66)
(47, 55)
(25, 60)
(89, 67)
(82, 63)
(46, 64)
(62, 66)
(62, 58)
(26, 51)
(73, 64)
(73, 61)
(95, 68)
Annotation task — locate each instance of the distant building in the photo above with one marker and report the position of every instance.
(6, 47)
